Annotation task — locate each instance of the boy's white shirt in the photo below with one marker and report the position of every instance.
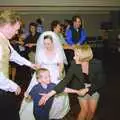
(44, 85)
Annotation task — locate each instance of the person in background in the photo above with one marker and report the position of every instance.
(12, 66)
(56, 28)
(84, 73)
(17, 43)
(40, 26)
(67, 24)
(74, 35)
(9, 25)
(23, 73)
(31, 40)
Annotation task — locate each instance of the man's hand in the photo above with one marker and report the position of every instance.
(35, 66)
(18, 90)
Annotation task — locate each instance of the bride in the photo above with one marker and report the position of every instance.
(50, 55)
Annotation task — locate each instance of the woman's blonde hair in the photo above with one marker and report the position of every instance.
(85, 52)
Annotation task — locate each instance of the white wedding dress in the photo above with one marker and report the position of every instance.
(60, 106)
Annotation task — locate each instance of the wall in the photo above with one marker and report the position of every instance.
(61, 2)
(93, 11)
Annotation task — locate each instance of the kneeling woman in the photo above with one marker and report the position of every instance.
(84, 72)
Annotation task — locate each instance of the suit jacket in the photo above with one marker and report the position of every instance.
(75, 78)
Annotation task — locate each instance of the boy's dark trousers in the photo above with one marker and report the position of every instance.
(42, 112)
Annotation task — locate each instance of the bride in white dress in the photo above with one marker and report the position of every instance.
(50, 55)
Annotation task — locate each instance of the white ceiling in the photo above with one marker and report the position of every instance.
(61, 2)
(61, 6)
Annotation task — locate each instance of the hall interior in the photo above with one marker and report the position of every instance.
(101, 19)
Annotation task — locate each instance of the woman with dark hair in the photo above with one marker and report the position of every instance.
(57, 29)
(31, 40)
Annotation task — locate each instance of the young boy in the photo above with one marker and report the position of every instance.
(44, 86)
